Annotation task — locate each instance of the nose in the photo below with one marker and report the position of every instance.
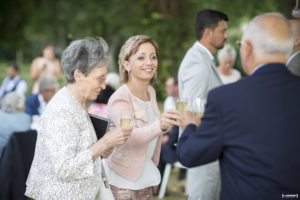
(103, 86)
(226, 35)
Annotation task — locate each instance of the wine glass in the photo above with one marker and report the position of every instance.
(198, 106)
(126, 119)
(181, 105)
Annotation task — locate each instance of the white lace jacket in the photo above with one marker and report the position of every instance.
(62, 167)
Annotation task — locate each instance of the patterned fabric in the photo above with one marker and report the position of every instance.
(62, 167)
(124, 194)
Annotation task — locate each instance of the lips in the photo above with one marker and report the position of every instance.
(148, 70)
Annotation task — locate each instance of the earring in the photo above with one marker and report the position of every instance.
(128, 75)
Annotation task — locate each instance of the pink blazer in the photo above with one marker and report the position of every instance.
(128, 159)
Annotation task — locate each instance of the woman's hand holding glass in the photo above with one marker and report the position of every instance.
(168, 119)
(111, 139)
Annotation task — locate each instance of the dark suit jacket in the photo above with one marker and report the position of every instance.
(294, 64)
(253, 127)
(15, 165)
(32, 105)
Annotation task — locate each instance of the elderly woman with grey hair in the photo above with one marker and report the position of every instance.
(12, 117)
(67, 163)
(226, 57)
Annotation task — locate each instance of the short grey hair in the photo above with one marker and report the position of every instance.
(84, 55)
(12, 102)
(226, 52)
(262, 39)
(47, 83)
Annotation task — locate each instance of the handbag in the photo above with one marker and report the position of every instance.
(105, 191)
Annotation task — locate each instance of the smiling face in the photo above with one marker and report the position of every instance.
(93, 83)
(143, 64)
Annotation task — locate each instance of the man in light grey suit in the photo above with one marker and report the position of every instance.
(197, 75)
(293, 62)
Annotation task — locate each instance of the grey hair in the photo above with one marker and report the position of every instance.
(13, 101)
(263, 41)
(84, 55)
(47, 83)
(227, 51)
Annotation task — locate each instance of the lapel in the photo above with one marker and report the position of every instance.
(206, 56)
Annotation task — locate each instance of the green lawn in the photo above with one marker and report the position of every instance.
(174, 187)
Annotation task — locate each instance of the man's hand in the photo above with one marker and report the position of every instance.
(188, 118)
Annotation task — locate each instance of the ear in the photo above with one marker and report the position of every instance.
(77, 75)
(297, 41)
(126, 65)
(207, 34)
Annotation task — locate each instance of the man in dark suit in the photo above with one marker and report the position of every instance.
(252, 126)
(36, 103)
(293, 62)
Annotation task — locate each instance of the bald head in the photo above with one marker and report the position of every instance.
(267, 39)
(295, 27)
(269, 34)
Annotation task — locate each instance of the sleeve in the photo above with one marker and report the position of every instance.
(139, 135)
(29, 106)
(61, 142)
(195, 79)
(22, 87)
(202, 144)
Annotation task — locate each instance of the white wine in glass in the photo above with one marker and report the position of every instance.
(125, 123)
(181, 106)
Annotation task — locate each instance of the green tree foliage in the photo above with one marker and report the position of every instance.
(28, 25)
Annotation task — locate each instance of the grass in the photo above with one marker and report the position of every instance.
(174, 187)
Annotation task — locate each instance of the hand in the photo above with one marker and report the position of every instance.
(188, 118)
(168, 119)
(165, 139)
(117, 136)
(111, 139)
(107, 153)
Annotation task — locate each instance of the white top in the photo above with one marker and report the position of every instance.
(234, 76)
(63, 167)
(169, 103)
(205, 49)
(9, 84)
(150, 175)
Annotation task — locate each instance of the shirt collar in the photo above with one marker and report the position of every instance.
(291, 57)
(256, 68)
(205, 49)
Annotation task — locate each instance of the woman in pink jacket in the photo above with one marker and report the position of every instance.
(131, 168)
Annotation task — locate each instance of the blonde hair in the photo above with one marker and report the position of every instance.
(130, 47)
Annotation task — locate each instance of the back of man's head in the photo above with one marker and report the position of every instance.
(13, 102)
(207, 19)
(269, 34)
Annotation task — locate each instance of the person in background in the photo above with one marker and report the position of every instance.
(252, 126)
(113, 79)
(196, 77)
(12, 82)
(172, 91)
(131, 167)
(67, 162)
(46, 66)
(226, 57)
(12, 117)
(36, 103)
(99, 106)
(293, 62)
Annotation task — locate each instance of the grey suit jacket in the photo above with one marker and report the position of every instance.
(294, 64)
(197, 74)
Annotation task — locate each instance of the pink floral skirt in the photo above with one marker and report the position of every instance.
(125, 194)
